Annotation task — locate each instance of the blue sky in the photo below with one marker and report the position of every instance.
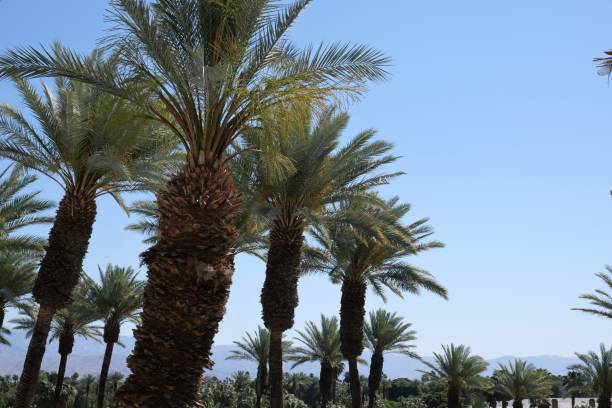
(503, 128)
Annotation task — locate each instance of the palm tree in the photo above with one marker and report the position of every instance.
(91, 144)
(386, 332)
(323, 175)
(256, 348)
(116, 299)
(357, 261)
(206, 69)
(600, 300)
(89, 380)
(69, 322)
(597, 368)
(575, 383)
(520, 380)
(460, 369)
(321, 345)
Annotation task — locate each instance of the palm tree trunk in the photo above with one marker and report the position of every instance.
(376, 368)
(2, 311)
(352, 312)
(325, 382)
(58, 275)
(260, 382)
(190, 272)
(604, 401)
(276, 369)
(453, 397)
(517, 403)
(108, 354)
(279, 296)
(60, 380)
(87, 394)
(334, 385)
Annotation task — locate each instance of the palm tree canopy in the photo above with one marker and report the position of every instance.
(76, 318)
(255, 347)
(458, 366)
(87, 141)
(386, 332)
(319, 343)
(519, 380)
(596, 368)
(19, 209)
(28, 312)
(117, 297)
(378, 260)
(17, 274)
(207, 68)
(601, 300)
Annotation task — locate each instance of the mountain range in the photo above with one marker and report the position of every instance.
(87, 357)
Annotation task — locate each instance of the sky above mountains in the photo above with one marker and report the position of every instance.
(502, 125)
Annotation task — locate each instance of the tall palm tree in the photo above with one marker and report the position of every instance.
(116, 299)
(358, 261)
(321, 344)
(601, 300)
(597, 368)
(324, 174)
(520, 380)
(460, 369)
(386, 332)
(256, 348)
(91, 144)
(206, 69)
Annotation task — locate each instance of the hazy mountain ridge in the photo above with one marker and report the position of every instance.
(87, 357)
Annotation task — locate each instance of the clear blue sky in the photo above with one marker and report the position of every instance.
(504, 130)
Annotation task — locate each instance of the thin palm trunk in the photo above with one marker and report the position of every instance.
(260, 382)
(58, 275)
(2, 312)
(376, 368)
(279, 296)
(352, 312)
(325, 382)
(573, 401)
(517, 403)
(276, 369)
(108, 355)
(453, 396)
(61, 371)
(604, 400)
(87, 387)
(190, 272)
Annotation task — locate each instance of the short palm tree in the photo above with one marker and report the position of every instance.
(256, 347)
(74, 320)
(520, 380)
(358, 261)
(386, 332)
(597, 368)
(324, 174)
(601, 300)
(320, 344)
(91, 144)
(116, 299)
(206, 69)
(575, 383)
(460, 369)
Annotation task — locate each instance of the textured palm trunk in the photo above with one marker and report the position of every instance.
(190, 272)
(325, 382)
(335, 385)
(279, 296)
(260, 382)
(87, 394)
(58, 275)
(453, 396)
(66, 343)
(376, 368)
(352, 312)
(108, 355)
(604, 400)
(2, 312)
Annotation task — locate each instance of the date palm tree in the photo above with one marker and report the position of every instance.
(323, 174)
(358, 261)
(601, 300)
(90, 144)
(386, 332)
(116, 299)
(520, 380)
(575, 383)
(597, 368)
(206, 69)
(255, 347)
(320, 344)
(460, 369)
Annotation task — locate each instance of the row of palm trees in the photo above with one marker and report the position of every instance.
(113, 300)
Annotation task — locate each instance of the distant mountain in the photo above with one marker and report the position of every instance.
(87, 357)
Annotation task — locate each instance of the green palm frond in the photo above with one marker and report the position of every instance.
(596, 368)
(256, 347)
(519, 380)
(457, 366)
(386, 332)
(320, 344)
(601, 300)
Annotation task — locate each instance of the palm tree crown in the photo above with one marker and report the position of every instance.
(597, 368)
(320, 344)
(386, 332)
(601, 300)
(520, 380)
